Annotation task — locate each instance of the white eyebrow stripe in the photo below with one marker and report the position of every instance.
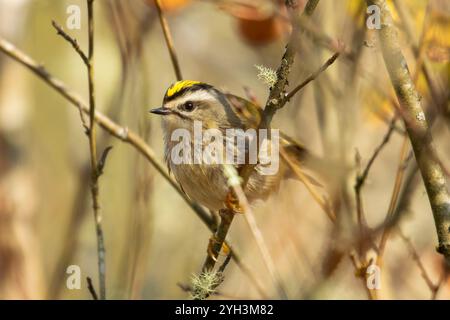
(199, 95)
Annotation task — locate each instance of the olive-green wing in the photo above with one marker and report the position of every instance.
(249, 113)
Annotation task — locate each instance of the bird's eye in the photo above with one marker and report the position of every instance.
(188, 106)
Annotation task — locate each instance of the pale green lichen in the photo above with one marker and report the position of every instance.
(267, 75)
(205, 284)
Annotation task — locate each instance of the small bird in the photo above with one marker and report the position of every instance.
(188, 104)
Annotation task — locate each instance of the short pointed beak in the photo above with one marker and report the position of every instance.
(161, 111)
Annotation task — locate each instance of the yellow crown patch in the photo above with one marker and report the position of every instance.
(180, 85)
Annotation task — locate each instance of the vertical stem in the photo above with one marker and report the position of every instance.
(169, 41)
(93, 153)
(417, 127)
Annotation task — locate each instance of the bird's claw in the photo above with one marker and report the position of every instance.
(211, 252)
(232, 203)
(212, 241)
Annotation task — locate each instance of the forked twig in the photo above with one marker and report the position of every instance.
(313, 76)
(434, 288)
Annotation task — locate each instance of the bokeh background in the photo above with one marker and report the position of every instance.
(153, 239)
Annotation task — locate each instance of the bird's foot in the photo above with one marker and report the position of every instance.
(232, 203)
(212, 250)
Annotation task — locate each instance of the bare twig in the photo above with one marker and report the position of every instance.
(83, 57)
(91, 288)
(169, 41)
(325, 41)
(313, 76)
(122, 133)
(417, 128)
(220, 230)
(257, 235)
(96, 170)
(361, 178)
(393, 202)
(72, 41)
(95, 174)
(311, 189)
(434, 288)
(225, 263)
(188, 288)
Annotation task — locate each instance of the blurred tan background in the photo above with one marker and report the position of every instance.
(153, 239)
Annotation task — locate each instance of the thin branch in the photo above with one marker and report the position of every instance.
(91, 288)
(361, 179)
(434, 288)
(95, 174)
(169, 40)
(188, 289)
(392, 204)
(312, 77)
(241, 205)
(417, 127)
(325, 41)
(396, 191)
(277, 94)
(225, 263)
(274, 102)
(259, 239)
(360, 270)
(72, 41)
